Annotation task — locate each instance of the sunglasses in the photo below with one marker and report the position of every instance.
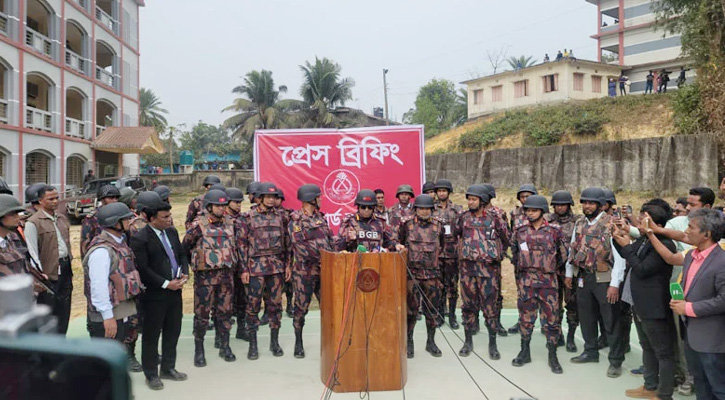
(366, 207)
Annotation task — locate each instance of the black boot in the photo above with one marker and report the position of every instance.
(560, 342)
(492, 349)
(524, 356)
(274, 343)
(411, 350)
(133, 364)
(452, 313)
(430, 345)
(570, 342)
(199, 359)
(477, 327)
(253, 353)
(242, 332)
(500, 330)
(265, 318)
(514, 329)
(554, 360)
(217, 340)
(299, 347)
(225, 351)
(467, 344)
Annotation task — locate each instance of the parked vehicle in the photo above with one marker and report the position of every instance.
(81, 203)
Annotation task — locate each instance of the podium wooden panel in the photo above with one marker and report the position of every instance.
(369, 343)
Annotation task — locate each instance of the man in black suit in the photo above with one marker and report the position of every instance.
(164, 270)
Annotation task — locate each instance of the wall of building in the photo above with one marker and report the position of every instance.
(669, 165)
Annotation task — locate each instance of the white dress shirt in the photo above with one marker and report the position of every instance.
(99, 269)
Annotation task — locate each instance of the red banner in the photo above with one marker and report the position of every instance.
(341, 162)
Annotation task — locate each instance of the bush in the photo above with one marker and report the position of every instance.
(689, 114)
(588, 123)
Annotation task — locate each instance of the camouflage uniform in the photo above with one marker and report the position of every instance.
(213, 248)
(566, 224)
(137, 223)
(13, 260)
(449, 253)
(396, 214)
(483, 241)
(424, 241)
(239, 304)
(89, 230)
(503, 216)
(135, 322)
(374, 233)
(381, 214)
(309, 234)
(265, 244)
(288, 287)
(196, 208)
(538, 256)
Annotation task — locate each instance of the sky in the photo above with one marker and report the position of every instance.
(194, 52)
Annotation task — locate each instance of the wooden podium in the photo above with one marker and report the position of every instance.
(363, 321)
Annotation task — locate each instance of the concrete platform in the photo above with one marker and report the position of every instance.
(428, 377)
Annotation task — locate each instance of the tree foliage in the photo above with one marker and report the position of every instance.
(150, 112)
(323, 89)
(438, 106)
(521, 62)
(701, 23)
(204, 139)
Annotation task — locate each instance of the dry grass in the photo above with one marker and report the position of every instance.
(505, 199)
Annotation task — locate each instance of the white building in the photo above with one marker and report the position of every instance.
(68, 70)
(627, 35)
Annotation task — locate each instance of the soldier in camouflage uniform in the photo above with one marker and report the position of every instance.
(196, 207)
(13, 260)
(518, 218)
(429, 188)
(401, 210)
(288, 286)
(380, 211)
(600, 271)
(265, 245)
(107, 194)
(539, 255)
(483, 239)
(309, 234)
(363, 228)
(423, 236)
(239, 304)
(213, 244)
(448, 213)
(564, 218)
(499, 212)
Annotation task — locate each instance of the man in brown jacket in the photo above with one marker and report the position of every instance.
(48, 238)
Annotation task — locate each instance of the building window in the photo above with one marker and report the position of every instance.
(578, 82)
(37, 168)
(497, 93)
(521, 89)
(478, 96)
(551, 83)
(596, 84)
(3, 158)
(74, 172)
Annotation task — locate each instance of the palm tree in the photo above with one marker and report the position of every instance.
(521, 62)
(260, 108)
(150, 111)
(323, 89)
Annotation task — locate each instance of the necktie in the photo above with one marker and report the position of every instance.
(170, 253)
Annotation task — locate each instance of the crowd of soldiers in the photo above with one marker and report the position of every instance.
(241, 260)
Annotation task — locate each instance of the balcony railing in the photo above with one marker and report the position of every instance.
(3, 23)
(38, 119)
(39, 42)
(105, 77)
(82, 3)
(75, 61)
(99, 130)
(3, 111)
(75, 128)
(106, 19)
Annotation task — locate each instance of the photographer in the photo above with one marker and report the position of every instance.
(647, 288)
